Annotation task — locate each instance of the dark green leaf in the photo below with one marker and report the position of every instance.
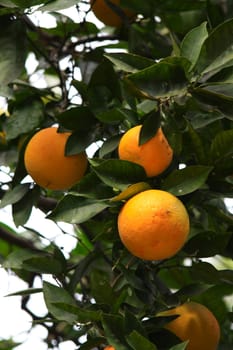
(206, 244)
(90, 186)
(109, 145)
(222, 145)
(12, 51)
(77, 118)
(46, 264)
(54, 294)
(78, 142)
(119, 173)
(111, 116)
(188, 49)
(22, 209)
(128, 62)
(28, 291)
(220, 102)
(114, 330)
(217, 53)
(204, 272)
(184, 181)
(15, 260)
(24, 119)
(75, 210)
(138, 342)
(14, 195)
(150, 126)
(163, 79)
(26, 3)
(82, 315)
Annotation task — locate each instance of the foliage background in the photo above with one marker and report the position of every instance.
(171, 66)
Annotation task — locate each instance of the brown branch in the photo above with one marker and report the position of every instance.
(18, 241)
(46, 204)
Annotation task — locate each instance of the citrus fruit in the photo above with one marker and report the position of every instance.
(109, 347)
(110, 12)
(153, 225)
(46, 163)
(154, 156)
(195, 323)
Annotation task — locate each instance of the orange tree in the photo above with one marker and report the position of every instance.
(168, 66)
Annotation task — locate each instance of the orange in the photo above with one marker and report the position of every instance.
(153, 225)
(109, 347)
(112, 16)
(154, 156)
(47, 164)
(195, 323)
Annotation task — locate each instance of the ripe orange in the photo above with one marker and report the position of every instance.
(153, 225)
(112, 16)
(109, 347)
(47, 164)
(155, 155)
(195, 323)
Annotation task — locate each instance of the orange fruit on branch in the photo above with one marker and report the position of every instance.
(110, 12)
(109, 347)
(47, 164)
(153, 225)
(196, 323)
(154, 156)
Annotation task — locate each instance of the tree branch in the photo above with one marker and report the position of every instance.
(18, 241)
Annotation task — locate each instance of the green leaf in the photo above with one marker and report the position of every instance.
(190, 51)
(196, 144)
(8, 344)
(75, 210)
(204, 272)
(14, 195)
(138, 342)
(43, 264)
(222, 145)
(150, 126)
(219, 101)
(12, 51)
(83, 315)
(78, 142)
(22, 209)
(24, 119)
(78, 118)
(217, 53)
(119, 173)
(187, 180)
(109, 145)
(163, 79)
(111, 116)
(27, 291)
(26, 3)
(114, 330)
(90, 186)
(15, 260)
(181, 346)
(53, 295)
(128, 62)
(206, 244)
(191, 289)
(101, 288)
